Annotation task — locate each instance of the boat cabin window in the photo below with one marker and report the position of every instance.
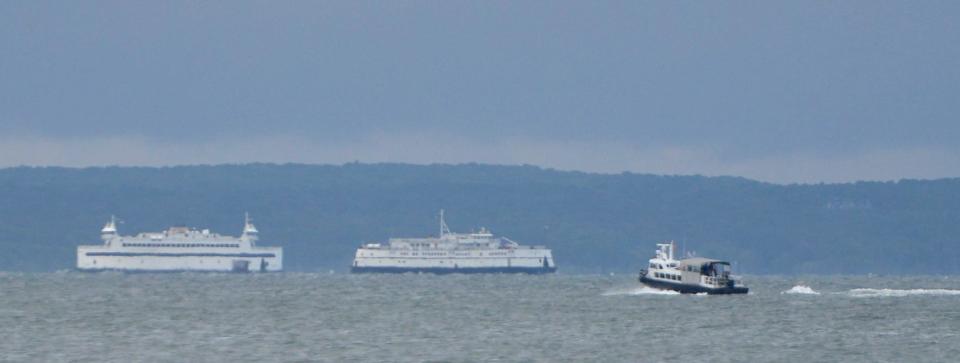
(722, 269)
(653, 265)
(661, 275)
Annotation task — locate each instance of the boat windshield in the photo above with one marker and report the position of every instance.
(722, 268)
(717, 269)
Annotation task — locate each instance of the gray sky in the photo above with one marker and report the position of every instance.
(783, 91)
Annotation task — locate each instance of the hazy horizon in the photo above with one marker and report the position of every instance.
(546, 168)
(796, 91)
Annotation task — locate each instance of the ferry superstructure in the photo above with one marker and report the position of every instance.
(479, 252)
(691, 275)
(179, 249)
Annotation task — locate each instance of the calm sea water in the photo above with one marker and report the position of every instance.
(322, 317)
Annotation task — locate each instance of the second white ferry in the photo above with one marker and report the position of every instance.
(479, 252)
(179, 249)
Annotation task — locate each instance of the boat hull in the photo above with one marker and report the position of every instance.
(692, 289)
(462, 270)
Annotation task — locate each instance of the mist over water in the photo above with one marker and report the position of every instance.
(296, 317)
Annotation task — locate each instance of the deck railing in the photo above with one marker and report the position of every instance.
(716, 281)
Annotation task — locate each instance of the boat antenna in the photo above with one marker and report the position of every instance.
(444, 230)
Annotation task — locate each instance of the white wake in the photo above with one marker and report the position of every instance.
(900, 293)
(641, 290)
(801, 290)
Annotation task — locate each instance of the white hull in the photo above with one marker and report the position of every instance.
(98, 258)
(519, 259)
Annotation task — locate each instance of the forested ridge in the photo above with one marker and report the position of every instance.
(595, 223)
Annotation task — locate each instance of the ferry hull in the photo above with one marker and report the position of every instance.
(171, 271)
(447, 270)
(101, 259)
(692, 289)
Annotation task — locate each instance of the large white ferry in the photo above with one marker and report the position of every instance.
(479, 252)
(179, 249)
(691, 275)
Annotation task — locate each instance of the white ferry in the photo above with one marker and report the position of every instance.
(179, 249)
(479, 252)
(691, 275)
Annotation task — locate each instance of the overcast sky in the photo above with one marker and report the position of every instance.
(782, 91)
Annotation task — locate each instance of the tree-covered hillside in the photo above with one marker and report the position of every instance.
(593, 222)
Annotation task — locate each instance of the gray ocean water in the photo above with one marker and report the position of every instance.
(332, 317)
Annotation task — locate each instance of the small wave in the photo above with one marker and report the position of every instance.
(642, 290)
(899, 293)
(801, 290)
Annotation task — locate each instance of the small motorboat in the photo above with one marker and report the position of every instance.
(694, 275)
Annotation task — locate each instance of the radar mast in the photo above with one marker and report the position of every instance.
(250, 232)
(444, 230)
(109, 230)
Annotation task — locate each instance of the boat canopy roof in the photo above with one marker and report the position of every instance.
(700, 261)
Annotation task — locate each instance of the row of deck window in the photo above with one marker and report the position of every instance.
(225, 245)
(666, 276)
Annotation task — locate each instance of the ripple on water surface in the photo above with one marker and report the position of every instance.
(902, 292)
